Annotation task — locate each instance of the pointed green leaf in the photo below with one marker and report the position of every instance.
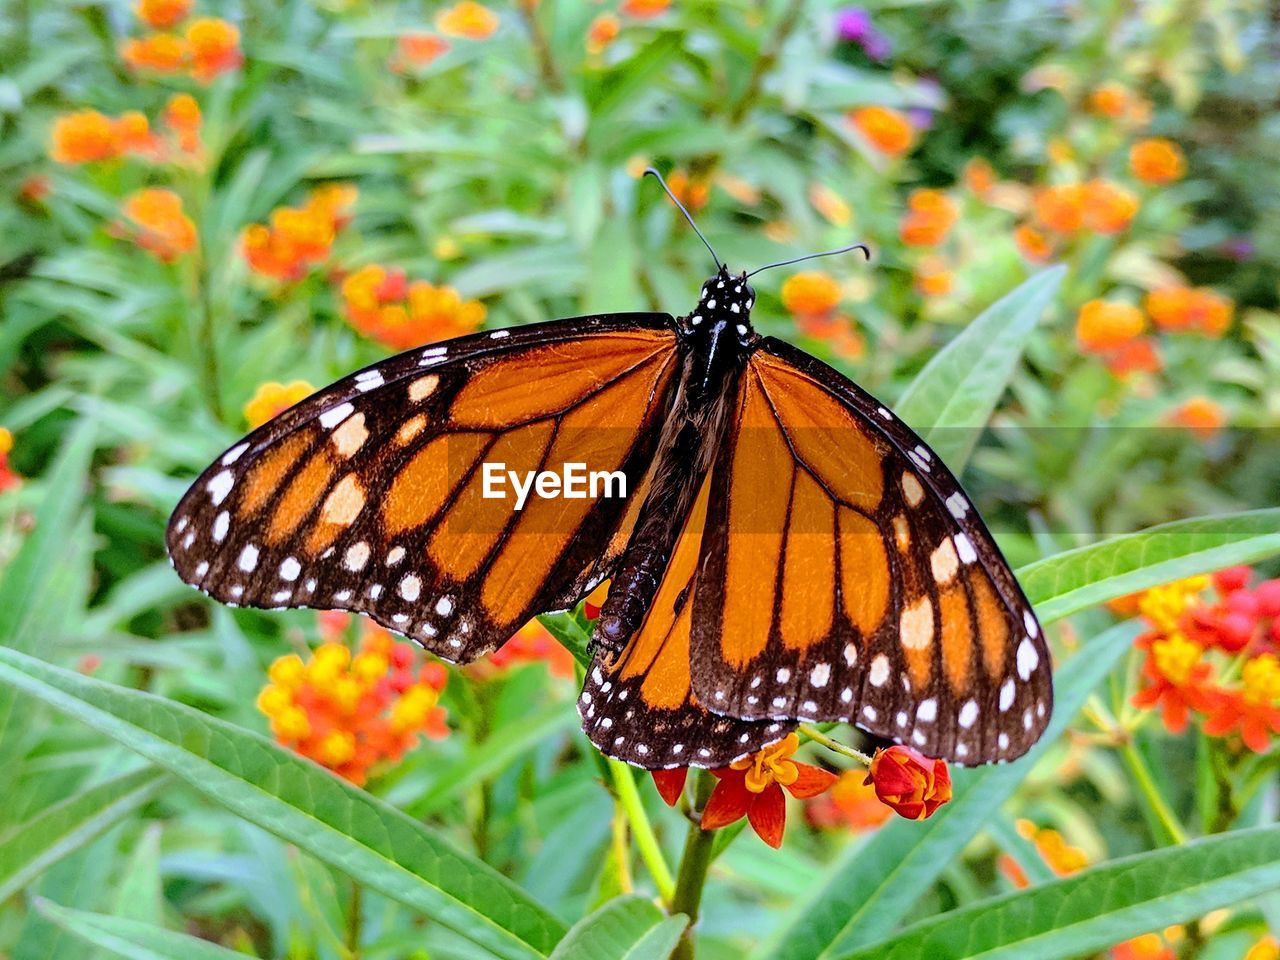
(368, 839)
(1078, 579)
(131, 939)
(871, 886)
(1089, 911)
(951, 399)
(27, 849)
(628, 928)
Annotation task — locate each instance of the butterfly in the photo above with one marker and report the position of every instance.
(786, 551)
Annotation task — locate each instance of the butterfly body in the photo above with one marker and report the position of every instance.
(786, 550)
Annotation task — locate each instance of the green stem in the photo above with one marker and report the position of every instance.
(1164, 825)
(355, 921)
(817, 736)
(624, 784)
(699, 846)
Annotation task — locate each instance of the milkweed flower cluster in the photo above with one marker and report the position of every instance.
(851, 803)
(272, 399)
(381, 303)
(155, 220)
(533, 643)
(351, 712)
(886, 130)
(205, 48)
(1212, 652)
(1060, 856)
(470, 20)
(297, 238)
(811, 297)
(87, 136)
(8, 479)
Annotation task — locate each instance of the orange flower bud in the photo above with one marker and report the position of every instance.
(1109, 100)
(1060, 208)
(602, 32)
(1199, 415)
(1032, 243)
(271, 399)
(214, 46)
(468, 19)
(1109, 207)
(419, 49)
(162, 14)
(84, 136)
(644, 9)
(886, 129)
(909, 782)
(1104, 325)
(1156, 161)
(810, 293)
(158, 53)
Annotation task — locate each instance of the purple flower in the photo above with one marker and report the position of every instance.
(877, 46)
(853, 24)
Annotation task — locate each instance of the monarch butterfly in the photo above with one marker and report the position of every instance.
(787, 549)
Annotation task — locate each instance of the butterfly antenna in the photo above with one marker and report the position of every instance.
(650, 171)
(866, 252)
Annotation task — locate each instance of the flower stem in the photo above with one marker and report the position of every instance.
(624, 784)
(696, 860)
(1164, 825)
(817, 736)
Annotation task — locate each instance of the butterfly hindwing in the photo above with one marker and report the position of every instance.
(845, 576)
(639, 706)
(370, 495)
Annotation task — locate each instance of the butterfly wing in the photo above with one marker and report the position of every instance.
(846, 576)
(640, 706)
(370, 495)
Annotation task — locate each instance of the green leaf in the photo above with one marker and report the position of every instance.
(628, 928)
(27, 849)
(1089, 911)
(872, 886)
(369, 840)
(951, 399)
(131, 939)
(1078, 579)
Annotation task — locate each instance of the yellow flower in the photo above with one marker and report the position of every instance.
(1261, 679)
(467, 19)
(288, 671)
(770, 765)
(336, 748)
(272, 399)
(1175, 656)
(1164, 605)
(6, 441)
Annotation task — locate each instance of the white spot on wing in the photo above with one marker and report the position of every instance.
(879, 670)
(965, 549)
(1006, 695)
(248, 558)
(369, 380)
(220, 486)
(820, 674)
(232, 455)
(1028, 659)
(969, 714)
(335, 415)
(410, 587)
(958, 505)
(444, 607)
(290, 568)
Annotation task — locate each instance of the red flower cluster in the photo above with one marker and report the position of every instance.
(530, 644)
(381, 303)
(1218, 659)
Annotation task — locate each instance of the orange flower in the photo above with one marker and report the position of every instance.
(159, 224)
(1033, 244)
(530, 644)
(913, 785)
(1134, 356)
(214, 46)
(810, 293)
(182, 116)
(932, 278)
(272, 399)
(602, 32)
(851, 803)
(1178, 681)
(1254, 710)
(670, 783)
(298, 237)
(692, 192)
(752, 787)
(1149, 946)
(1156, 161)
(157, 53)
(830, 204)
(930, 216)
(1109, 207)
(162, 14)
(34, 188)
(85, 136)
(1186, 308)
(1061, 208)
(380, 304)
(1200, 415)
(1103, 325)
(352, 713)
(467, 19)
(8, 479)
(415, 50)
(136, 136)
(1268, 948)
(886, 129)
(979, 177)
(644, 9)
(1109, 100)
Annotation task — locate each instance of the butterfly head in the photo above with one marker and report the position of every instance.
(725, 303)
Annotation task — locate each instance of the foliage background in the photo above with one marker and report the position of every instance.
(505, 168)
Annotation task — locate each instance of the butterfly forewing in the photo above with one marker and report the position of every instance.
(845, 576)
(371, 495)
